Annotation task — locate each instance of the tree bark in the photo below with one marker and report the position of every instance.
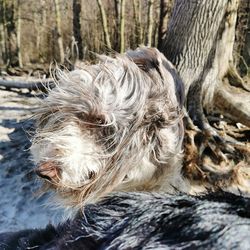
(138, 25)
(199, 42)
(2, 34)
(150, 22)
(122, 25)
(59, 31)
(11, 38)
(233, 109)
(116, 43)
(165, 7)
(40, 27)
(18, 30)
(77, 26)
(241, 35)
(104, 24)
(2, 45)
(201, 48)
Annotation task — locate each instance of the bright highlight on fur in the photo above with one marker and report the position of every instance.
(116, 125)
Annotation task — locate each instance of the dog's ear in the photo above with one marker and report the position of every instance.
(179, 84)
(145, 58)
(153, 62)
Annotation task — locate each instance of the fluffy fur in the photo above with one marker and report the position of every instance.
(147, 221)
(116, 125)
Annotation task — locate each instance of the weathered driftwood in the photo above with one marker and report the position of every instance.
(30, 85)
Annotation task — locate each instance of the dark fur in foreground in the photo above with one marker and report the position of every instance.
(147, 221)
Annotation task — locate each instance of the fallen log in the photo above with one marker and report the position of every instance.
(42, 84)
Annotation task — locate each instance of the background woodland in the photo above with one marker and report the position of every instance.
(38, 32)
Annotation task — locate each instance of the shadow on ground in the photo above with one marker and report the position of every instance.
(20, 206)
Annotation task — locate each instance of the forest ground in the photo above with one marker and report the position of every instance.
(20, 205)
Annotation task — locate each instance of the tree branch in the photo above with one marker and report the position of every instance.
(30, 85)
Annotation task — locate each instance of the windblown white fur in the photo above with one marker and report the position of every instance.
(75, 153)
(116, 125)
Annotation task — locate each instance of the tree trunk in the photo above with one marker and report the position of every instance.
(116, 43)
(11, 38)
(104, 24)
(199, 41)
(242, 33)
(137, 18)
(77, 26)
(18, 30)
(165, 7)
(246, 49)
(40, 27)
(150, 22)
(2, 45)
(59, 31)
(37, 27)
(2, 35)
(201, 48)
(122, 25)
(140, 33)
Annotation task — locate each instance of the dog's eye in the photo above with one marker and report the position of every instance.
(91, 119)
(91, 175)
(81, 116)
(100, 121)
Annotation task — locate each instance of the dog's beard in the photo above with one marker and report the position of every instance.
(116, 125)
(74, 153)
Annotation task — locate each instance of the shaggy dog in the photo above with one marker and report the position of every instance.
(117, 126)
(147, 221)
(113, 126)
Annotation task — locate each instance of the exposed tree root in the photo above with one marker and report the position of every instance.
(224, 165)
(235, 79)
(233, 103)
(217, 152)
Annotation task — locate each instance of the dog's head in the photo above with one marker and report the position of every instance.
(111, 126)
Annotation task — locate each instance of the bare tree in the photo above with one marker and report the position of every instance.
(10, 26)
(199, 41)
(104, 23)
(18, 31)
(46, 34)
(43, 38)
(2, 34)
(43, 24)
(122, 25)
(150, 22)
(58, 30)
(77, 26)
(137, 18)
(165, 10)
(242, 38)
(40, 22)
(116, 43)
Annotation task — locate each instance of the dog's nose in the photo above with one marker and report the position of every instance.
(47, 170)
